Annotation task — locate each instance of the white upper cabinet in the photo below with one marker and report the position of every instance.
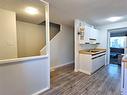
(89, 33)
(94, 34)
(97, 35)
(86, 33)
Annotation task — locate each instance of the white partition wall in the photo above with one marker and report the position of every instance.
(24, 77)
(28, 75)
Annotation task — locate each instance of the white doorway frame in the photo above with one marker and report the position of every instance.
(109, 31)
(108, 47)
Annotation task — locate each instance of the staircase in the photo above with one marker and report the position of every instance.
(54, 30)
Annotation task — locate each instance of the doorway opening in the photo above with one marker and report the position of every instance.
(117, 45)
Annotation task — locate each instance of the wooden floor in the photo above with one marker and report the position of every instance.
(105, 81)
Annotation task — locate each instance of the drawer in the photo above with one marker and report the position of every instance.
(98, 62)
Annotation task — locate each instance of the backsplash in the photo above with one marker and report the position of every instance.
(87, 46)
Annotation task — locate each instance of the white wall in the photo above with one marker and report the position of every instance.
(30, 38)
(62, 47)
(25, 77)
(8, 39)
(103, 33)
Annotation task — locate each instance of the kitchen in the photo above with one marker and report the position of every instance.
(88, 57)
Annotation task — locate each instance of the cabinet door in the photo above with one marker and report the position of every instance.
(92, 33)
(85, 63)
(87, 33)
(98, 62)
(95, 34)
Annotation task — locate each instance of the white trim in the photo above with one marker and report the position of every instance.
(9, 61)
(46, 3)
(75, 70)
(61, 65)
(44, 48)
(86, 72)
(108, 48)
(41, 91)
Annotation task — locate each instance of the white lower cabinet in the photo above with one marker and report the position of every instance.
(98, 62)
(85, 65)
(89, 64)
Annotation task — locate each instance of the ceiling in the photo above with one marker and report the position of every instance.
(94, 12)
(19, 6)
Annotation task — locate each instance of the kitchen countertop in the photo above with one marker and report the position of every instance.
(93, 51)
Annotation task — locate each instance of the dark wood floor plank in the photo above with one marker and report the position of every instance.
(64, 81)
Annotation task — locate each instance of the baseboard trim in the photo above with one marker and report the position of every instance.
(41, 91)
(56, 67)
(86, 72)
(75, 70)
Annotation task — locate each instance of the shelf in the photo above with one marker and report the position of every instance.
(90, 43)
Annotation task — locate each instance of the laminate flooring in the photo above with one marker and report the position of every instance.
(106, 81)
